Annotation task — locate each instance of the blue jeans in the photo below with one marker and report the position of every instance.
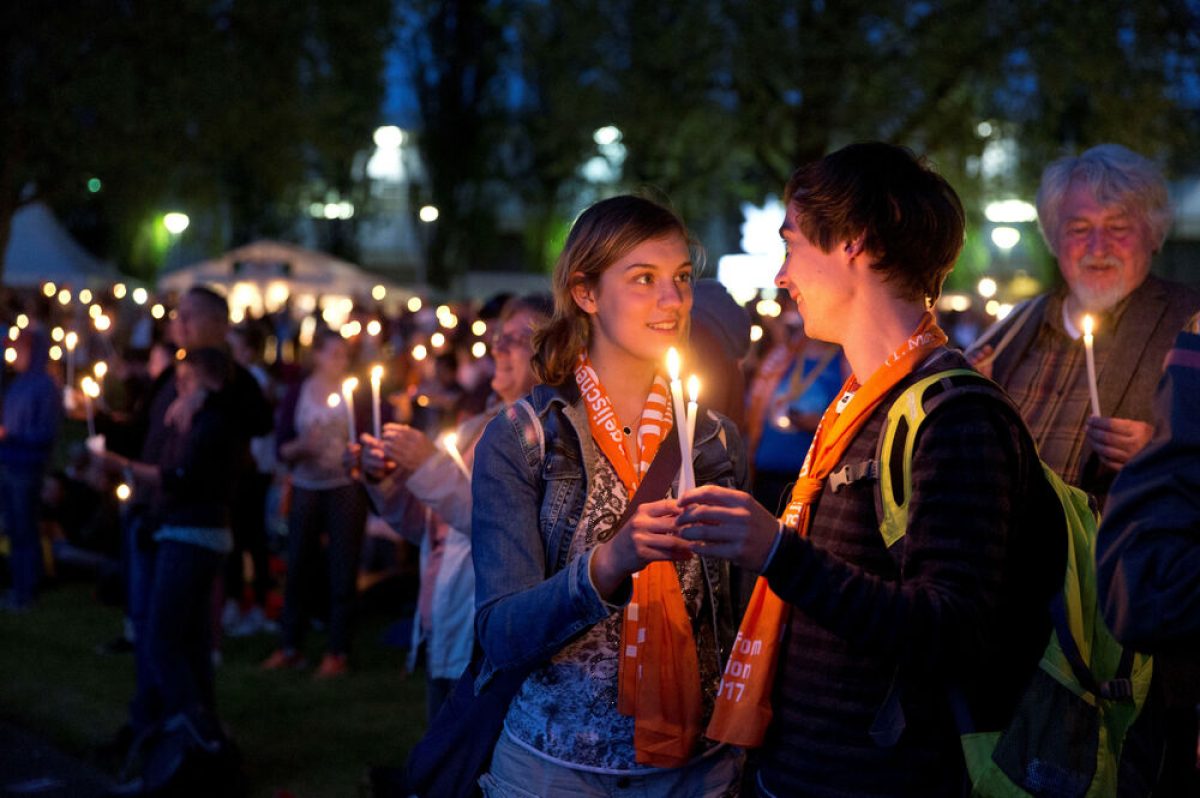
(180, 630)
(341, 514)
(146, 707)
(20, 495)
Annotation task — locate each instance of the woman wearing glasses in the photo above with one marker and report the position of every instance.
(419, 489)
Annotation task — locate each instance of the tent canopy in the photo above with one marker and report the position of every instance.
(40, 248)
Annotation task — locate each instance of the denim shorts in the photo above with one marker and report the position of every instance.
(517, 772)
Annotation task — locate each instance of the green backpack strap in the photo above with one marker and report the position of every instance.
(898, 438)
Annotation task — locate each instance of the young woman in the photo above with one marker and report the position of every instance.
(325, 501)
(622, 631)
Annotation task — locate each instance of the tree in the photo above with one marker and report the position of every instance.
(230, 107)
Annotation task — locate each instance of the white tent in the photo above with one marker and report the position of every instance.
(259, 276)
(40, 248)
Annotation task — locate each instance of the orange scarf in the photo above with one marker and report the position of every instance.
(743, 708)
(659, 680)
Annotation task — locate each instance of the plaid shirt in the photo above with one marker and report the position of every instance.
(1050, 386)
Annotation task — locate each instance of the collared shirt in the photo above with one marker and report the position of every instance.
(1050, 385)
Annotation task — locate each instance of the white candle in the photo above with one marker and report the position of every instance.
(686, 477)
(71, 341)
(91, 390)
(376, 378)
(348, 386)
(693, 387)
(1088, 327)
(450, 442)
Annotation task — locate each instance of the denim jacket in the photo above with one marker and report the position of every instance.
(531, 482)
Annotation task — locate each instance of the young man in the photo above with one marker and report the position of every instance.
(844, 661)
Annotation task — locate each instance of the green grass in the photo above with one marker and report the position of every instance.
(310, 738)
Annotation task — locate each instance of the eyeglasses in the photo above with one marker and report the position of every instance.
(510, 341)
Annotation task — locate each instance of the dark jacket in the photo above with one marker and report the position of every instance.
(32, 411)
(961, 599)
(197, 481)
(1148, 551)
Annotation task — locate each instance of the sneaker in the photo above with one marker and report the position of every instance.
(283, 659)
(231, 615)
(254, 622)
(332, 666)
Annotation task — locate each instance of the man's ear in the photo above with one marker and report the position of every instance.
(854, 247)
(583, 294)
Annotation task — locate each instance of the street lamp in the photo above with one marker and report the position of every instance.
(176, 222)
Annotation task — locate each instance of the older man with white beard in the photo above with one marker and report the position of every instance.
(1103, 214)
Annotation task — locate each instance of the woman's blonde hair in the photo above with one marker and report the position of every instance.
(602, 235)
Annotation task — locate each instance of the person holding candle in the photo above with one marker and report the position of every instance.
(32, 413)
(1104, 214)
(313, 432)
(619, 633)
(406, 473)
(848, 645)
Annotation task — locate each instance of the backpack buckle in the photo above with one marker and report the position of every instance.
(853, 472)
(1117, 689)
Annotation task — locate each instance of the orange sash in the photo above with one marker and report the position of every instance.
(659, 679)
(743, 708)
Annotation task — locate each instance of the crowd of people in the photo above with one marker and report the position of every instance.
(761, 630)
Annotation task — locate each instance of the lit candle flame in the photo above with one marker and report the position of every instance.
(376, 373)
(673, 364)
(72, 339)
(100, 369)
(349, 385)
(91, 388)
(1089, 325)
(693, 386)
(334, 400)
(124, 492)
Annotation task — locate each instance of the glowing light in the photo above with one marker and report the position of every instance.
(1089, 324)
(94, 185)
(388, 137)
(673, 364)
(333, 401)
(100, 369)
(478, 349)
(176, 222)
(449, 321)
(276, 296)
(992, 307)
(437, 340)
(956, 303)
(479, 327)
(64, 297)
(756, 333)
(442, 310)
(607, 135)
(414, 304)
(374, 327)
(693, 388)
(983, 129)
(22, 321)
(13, 332)
(71, 340)
(783, 422)
(85, 296)
(55, 352)
(94, 311)
(140, 295)
(987, 288)
(119, 290)
(10, 356)
(1010, 211)
(158, 311)
(57, 334)
(351, 328)
(124, 492)
(378, 293)
(428, 213)
(180, 354)
(49, 290)
(419, 352)
(768, 308)
(1006, 237)
(422, 401)
(1004, 309)
(91, 388)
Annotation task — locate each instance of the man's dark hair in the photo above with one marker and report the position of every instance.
(212, 302)
(213, 364)
(909, 218)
